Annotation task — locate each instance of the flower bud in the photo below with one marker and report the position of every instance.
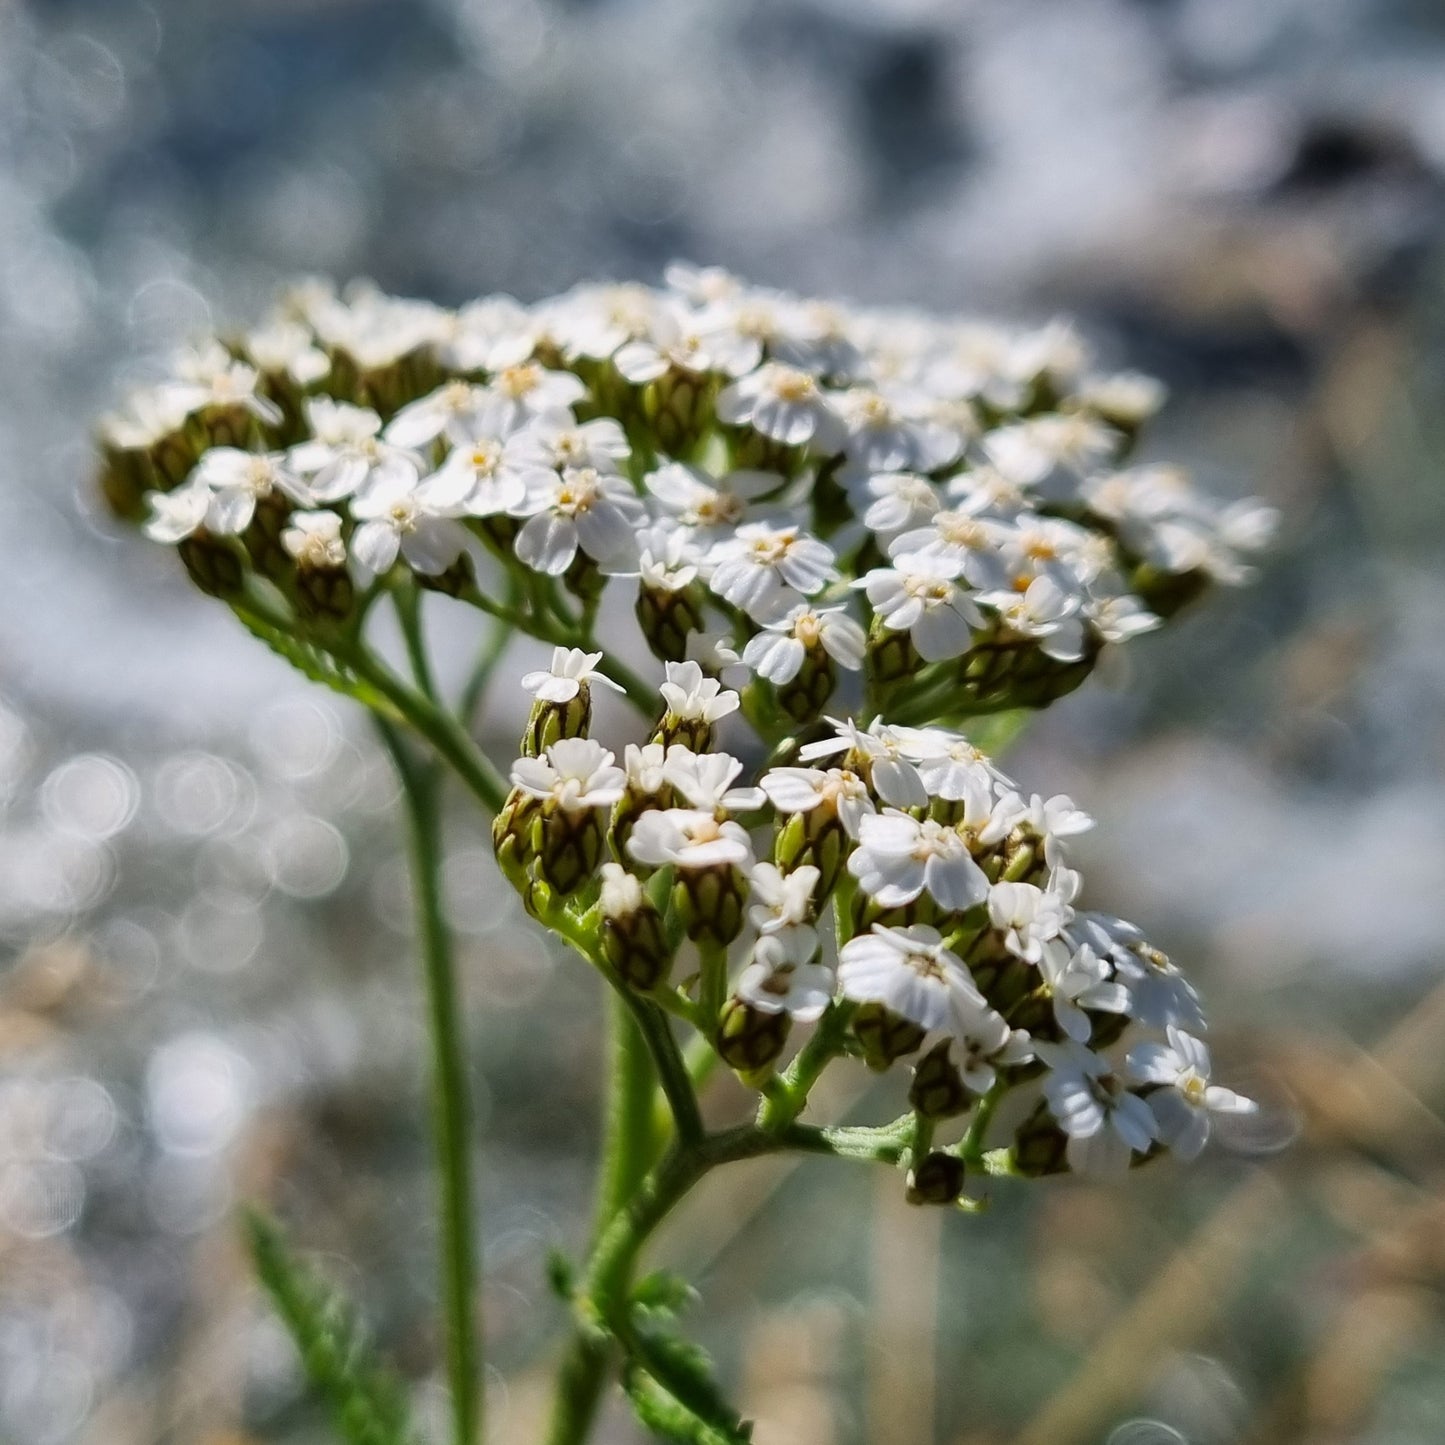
(805, 697)
(634, 938)
(126, 475)
(549, 721)
(679, 404)
(692, 732)
(216, 565)
(571, 847)
(514, 838)
(222, 425)
(1166, 593)
(891, 655)
(752, 451)
(1002, 979)
(749, 1039)
(818, 839)
(1040, 1145)
(669, 617)
(710, 903)
(325, 592)
(937, 1091)
(883, 1036)
(937, 1180)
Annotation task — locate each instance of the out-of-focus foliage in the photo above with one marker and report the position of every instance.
(206, 987)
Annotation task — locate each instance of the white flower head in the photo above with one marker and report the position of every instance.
(900, 857)
(882, 752)
(1105, 1123)
(692, 696)
(777, 652)
(894, 433)
(1044, 612)
(1185, 1103)
(765, 568)
(479, 478)
(705, 781)
(668, 559)
(786, 404)
(689, 838)
(781, 900)
(598, 512)
(1075, 981)
(644, 766)
(451, 412)
(398, 517)
(921, 594)
(346, 452)
(570, 669)
(683, 340)
(554, 443)
(1027, 916)
(210, 376)
(574, 774)
(1056, 820)
(909, 972)
(313, 540)
(517, 394)
(694, 497)
(287, 348)
(622, 892)
(985, 1043)
(178, 514)
(892, 503)
(800, 790)
(784, 978)
(237, 480)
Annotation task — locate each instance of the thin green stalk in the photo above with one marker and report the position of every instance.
(447, 736)
(826, 1043)
(451, 1111)
(493, 650)
(632, 1081)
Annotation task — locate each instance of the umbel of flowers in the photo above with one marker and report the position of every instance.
(843, 533)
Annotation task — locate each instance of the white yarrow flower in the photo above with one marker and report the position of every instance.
(786, 404)
(313, 540)
(1183, 1106)
(781, 900)
(920, 594)
(777, 652)
(784, 978)
(1027, 916)
(689, 838)
(1105, 1123)
(900, 857)
(909, 972)
(562, 680)
(574, 774)
(692, 696)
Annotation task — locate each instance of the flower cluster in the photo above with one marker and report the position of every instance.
(892, 885)
(795, 485)
(855, 529)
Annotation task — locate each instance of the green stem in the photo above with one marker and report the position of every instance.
(408, 611)
(632, 1082)
(451, 1122)
(971, 1147)
(797, 1082)
(447, 736)
(492, 652)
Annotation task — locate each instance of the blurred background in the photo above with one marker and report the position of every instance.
(206, 992)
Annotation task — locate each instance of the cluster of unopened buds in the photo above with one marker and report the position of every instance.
(843, 533)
